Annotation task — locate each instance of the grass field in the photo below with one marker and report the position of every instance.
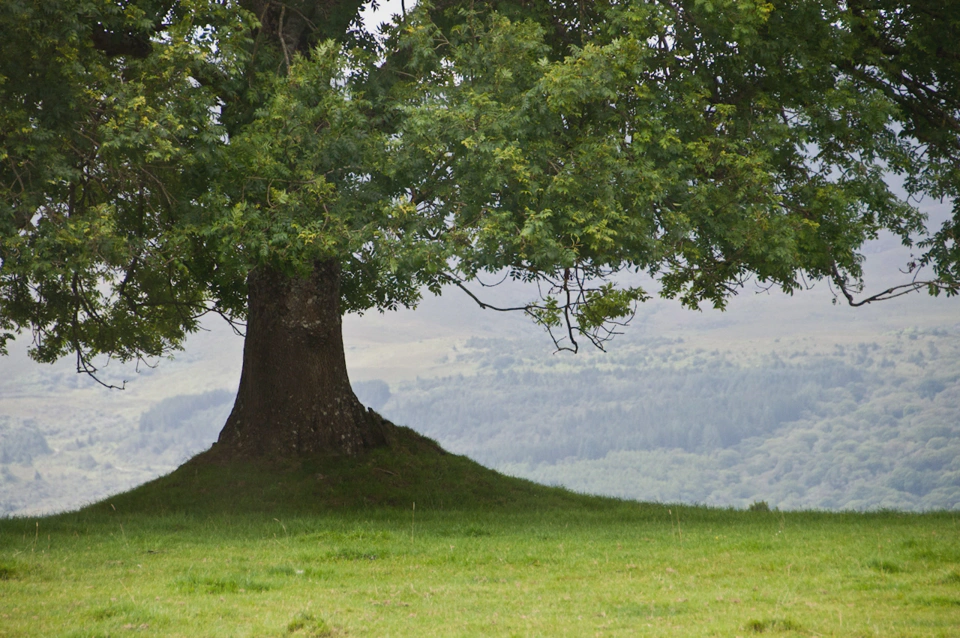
(413, 542)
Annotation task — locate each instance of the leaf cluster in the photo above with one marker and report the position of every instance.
(105, 155)
(155, 152)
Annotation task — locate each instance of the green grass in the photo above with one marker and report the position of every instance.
(332, 547)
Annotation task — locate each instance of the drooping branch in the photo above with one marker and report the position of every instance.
(459, 283)
(85, 366)
(572, 286)
(933, 286)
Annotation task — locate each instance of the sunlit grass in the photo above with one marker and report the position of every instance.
(499, 558)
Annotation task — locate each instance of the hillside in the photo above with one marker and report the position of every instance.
(411, 541)
(874, 424)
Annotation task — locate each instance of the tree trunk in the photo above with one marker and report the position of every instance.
(295, 397)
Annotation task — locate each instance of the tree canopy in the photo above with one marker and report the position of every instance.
(154, 153)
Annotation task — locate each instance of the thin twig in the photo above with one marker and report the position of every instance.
(283, 42)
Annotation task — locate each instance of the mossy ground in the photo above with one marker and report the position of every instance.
(336, 547)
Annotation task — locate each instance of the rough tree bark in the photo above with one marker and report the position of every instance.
(295, 397)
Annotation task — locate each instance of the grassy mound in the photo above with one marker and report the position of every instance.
(333, 547)
(414, 469)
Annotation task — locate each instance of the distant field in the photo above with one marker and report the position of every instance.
(323, 550)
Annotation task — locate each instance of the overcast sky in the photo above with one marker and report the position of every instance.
(385, 10)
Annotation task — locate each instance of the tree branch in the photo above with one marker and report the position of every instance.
(894, 291)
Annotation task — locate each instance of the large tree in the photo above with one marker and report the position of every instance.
(271, 162)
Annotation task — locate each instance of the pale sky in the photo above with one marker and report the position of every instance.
(386, 9)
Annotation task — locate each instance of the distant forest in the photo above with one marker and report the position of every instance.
(817, 425)
(863, 427)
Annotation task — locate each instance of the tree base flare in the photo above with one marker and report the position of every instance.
(295, 397)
